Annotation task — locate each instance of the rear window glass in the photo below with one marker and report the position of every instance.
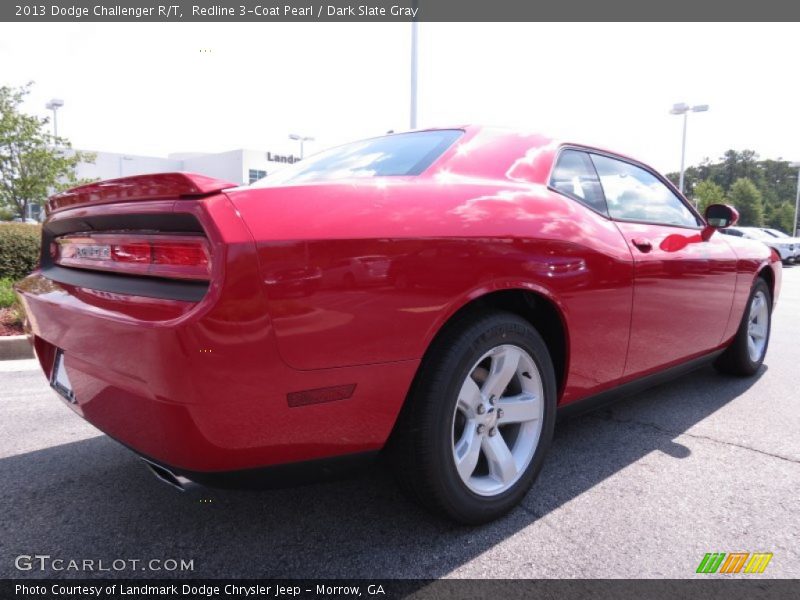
(392, 155)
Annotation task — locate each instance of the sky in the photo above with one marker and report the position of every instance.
(157, 88)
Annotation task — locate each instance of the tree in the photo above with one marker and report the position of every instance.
(747, 199)
(738, 165)
(780, 217)
(707, 192)
(779, 182)
(33, 163)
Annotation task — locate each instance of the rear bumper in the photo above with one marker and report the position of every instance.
(201, 392)
(199, 385)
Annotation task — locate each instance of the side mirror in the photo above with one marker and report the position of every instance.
(719, 216)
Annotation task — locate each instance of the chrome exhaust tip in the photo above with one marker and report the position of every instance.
(173, 480)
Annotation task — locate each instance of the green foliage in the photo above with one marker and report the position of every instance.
(19, 249)
(11, 313)
(775, 181)
(7, 297)
(32, 162)
(707, 192)
(746, 198)
(780, 217)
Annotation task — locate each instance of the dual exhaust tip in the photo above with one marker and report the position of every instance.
(175, 481)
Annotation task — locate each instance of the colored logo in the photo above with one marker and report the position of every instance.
(734, 562)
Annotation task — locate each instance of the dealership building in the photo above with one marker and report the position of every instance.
(236, 166)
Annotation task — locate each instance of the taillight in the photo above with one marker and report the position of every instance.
(155, 255)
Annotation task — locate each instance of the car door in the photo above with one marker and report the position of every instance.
(683, 285)
(600, 313)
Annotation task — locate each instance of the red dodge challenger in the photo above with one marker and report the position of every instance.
(439, 294)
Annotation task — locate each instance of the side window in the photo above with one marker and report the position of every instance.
(574, 175)
(633, 194)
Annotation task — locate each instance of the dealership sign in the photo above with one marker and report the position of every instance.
(282, 158)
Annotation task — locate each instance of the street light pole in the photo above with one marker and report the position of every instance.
(54, 105)
(302, 139)
(684, 109)
(683, 152)
(797, 197)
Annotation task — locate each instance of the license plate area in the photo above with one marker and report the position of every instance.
(59, 380)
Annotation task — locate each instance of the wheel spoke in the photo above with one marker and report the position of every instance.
(751, 347)
(518, 409)
(503, 369)
(467, 452)
(756, 307)
(470, 396)
(501, 462)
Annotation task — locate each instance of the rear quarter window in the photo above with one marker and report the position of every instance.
(575, 176)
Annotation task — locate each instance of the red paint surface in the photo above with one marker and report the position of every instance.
(326, 285)
(138, 187)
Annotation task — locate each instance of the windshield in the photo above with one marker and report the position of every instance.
(391, 155)
(757, 234)
(775, 233)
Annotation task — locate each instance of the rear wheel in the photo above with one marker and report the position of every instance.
(479, 419)
(745, 355)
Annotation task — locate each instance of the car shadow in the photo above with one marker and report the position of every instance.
(93, 499)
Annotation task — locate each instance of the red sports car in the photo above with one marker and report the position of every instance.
(439, 294)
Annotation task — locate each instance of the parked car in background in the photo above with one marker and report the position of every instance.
(438, 295)
(785, 248)
(776, 233)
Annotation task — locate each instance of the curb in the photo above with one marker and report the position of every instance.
(15, 347)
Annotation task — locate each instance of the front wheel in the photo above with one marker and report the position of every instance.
(745, 355)
(479, 419)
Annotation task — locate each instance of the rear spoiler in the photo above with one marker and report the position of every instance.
(139, 187)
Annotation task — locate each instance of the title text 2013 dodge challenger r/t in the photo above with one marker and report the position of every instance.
(439, 294)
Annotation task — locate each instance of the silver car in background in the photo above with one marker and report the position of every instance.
(777, 233)
(786, 248)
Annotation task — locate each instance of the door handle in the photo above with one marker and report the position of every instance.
(642, 244)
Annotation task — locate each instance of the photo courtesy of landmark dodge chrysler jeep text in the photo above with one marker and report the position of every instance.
(437, 295)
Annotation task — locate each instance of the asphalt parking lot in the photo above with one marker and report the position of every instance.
(644, 489)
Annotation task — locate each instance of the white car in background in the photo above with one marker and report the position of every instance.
(785, 248)
(777, 233)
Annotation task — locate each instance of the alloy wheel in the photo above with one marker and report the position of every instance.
(757, 326)
(497, 421)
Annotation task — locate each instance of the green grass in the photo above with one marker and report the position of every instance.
(7, 297)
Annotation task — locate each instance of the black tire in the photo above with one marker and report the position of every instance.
(736, 359)
(421, 448)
